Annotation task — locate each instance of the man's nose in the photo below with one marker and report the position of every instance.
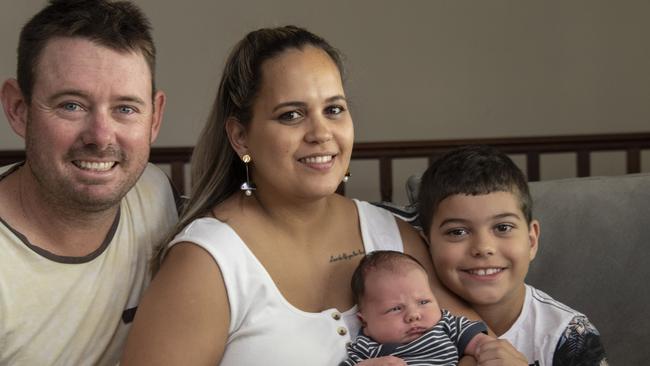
(99, 130)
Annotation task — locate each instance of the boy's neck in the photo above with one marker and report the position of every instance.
(500, 316)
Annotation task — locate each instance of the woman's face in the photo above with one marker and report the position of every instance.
(300, 137)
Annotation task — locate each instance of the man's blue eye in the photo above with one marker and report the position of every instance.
(71, 107)
(126, 110)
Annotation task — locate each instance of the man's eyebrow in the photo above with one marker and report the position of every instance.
(80, 94)
(67, 92)
(131, 99)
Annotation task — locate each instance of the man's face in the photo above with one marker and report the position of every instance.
(90, 123)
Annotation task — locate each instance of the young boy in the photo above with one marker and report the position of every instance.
(401, 317)
(476, 210)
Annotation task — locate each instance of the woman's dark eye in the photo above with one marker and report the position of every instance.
(335, 109)
(289, 116)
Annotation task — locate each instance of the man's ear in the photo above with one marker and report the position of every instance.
(15, 106)
(533, 238)
(159, 101)
(237, 135)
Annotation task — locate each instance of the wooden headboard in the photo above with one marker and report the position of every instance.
(385, 152)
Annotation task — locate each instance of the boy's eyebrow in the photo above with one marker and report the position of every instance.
(458, 220)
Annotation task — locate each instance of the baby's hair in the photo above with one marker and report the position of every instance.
(387, 260)
(471, 170)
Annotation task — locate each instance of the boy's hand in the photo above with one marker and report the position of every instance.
(383, 361)
(499, 352)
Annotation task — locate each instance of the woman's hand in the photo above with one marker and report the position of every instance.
(383, 361)
(499, 352)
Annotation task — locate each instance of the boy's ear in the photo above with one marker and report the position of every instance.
(237, 135)
(15, 106)
(533, 238)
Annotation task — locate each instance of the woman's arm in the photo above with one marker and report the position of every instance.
(415, 246)
(184, 316)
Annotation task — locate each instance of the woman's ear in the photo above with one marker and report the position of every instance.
(15, 106)
(237, 135)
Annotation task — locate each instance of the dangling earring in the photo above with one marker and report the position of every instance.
(247, 186)
(347, 176)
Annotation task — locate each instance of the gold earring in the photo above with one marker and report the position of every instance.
(247, 186)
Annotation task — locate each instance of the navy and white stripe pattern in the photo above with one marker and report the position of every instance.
(439, 346)
(407, 213)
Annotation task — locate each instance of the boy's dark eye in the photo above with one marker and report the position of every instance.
(457, 232)
(503, 228)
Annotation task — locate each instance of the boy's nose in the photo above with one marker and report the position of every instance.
(482, 246)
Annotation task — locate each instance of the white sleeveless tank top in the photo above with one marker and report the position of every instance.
(264, 327)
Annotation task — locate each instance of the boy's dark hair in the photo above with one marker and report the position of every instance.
(118, 25)
(380, 259)
(471, 170)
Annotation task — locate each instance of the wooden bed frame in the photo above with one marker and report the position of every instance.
(385, 152)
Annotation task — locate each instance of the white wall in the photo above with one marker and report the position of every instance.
(420, 69)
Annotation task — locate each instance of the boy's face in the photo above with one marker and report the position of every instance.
(481, 247)
(398, 306)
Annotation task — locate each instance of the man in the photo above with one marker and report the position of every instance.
(80, 218)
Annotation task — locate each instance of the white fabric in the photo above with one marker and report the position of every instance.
(538, 328)
(264, 327)
(53, 312)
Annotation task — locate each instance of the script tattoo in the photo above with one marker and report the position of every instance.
(346, 256)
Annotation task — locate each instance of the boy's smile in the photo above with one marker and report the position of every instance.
(482, 247)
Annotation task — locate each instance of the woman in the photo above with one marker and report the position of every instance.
(260, 269)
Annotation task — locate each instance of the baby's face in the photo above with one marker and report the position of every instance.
(398, 306)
